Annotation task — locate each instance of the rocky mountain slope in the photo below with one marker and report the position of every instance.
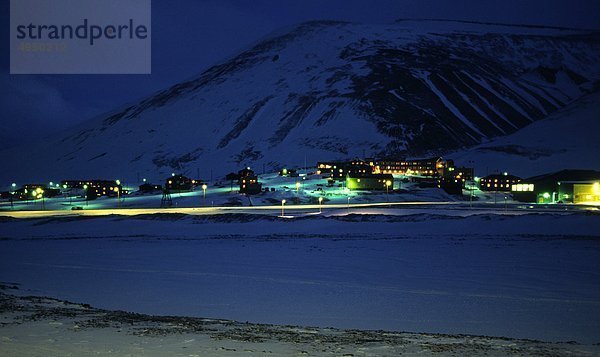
(331, 90)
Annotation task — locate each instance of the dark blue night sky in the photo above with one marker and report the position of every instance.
(188, 36)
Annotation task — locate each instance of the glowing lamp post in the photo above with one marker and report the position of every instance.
(14, 186)
(204, 187)
(85, 187)
(320, 202)
(348, 204)
(282, 207)
(297, 187)
(41, 195)
(118, 189)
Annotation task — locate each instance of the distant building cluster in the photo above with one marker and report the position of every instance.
(370, 174)
(566, 186)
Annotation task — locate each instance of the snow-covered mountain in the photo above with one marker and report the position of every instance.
(566, 139)
(332, 90)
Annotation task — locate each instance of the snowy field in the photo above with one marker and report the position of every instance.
(531, 276)
(46, 326)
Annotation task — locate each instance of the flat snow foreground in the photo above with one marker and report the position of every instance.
(36, 326)
(513, 276)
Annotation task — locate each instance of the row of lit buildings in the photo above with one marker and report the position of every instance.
(565, 186)
(370, 174)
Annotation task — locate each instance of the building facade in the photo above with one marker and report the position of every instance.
(498, 182)
(434, 166)
(370, 182)
(566, 186)
(179, 183)
(249, 185)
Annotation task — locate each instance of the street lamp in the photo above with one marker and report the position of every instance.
(204, 186)
(14, 186)
(282, 207)
(40, 192)
(388, 183)
(320, 201)
(297, 186)
(473, 180)
(85, 187)
(348, 204)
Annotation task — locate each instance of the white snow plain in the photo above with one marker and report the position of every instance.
(534, 276)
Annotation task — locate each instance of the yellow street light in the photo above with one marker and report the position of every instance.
(85, 187)
(282, 207)
(297, 186)
(204, 187)
(320, 201)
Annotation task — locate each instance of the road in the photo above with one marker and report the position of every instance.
(290, 211)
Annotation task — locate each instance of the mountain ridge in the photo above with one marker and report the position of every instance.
(330, 90)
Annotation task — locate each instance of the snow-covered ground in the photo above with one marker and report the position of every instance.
(521, 276)
(46, 326)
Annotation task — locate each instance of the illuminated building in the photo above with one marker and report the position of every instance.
(337, 170)
(431, 167)
(566, 186)
(250, 185)
(35, 191)
(179, 183)
(371, 182)
(435, 166)
(582, 192)
(95, 188)
(498, 182)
